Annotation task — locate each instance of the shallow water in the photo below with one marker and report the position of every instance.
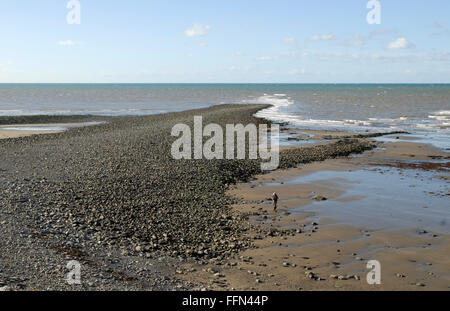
(438, 140)
(38, 128)
(384, 199)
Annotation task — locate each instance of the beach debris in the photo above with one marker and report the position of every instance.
(319, 198)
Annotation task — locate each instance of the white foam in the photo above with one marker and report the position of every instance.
(278, 112)
(443, 113)
(280, 101)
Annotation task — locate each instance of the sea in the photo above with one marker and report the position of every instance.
(420, 109)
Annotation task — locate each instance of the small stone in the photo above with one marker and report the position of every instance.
(320, 198)
(311, 276)
(212, 271)
(420, 284)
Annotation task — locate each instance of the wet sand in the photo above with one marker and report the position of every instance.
(314, 245)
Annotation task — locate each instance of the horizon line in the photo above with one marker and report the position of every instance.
(237, 83)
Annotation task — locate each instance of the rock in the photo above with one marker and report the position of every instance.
(420, 284)
(5, 289)
(319, 198)
(311, 275)
(212, 271)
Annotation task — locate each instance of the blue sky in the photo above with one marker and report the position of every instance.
(327, 41)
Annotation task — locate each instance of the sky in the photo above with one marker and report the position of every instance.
(246, 41)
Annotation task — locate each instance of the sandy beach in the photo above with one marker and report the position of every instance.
(308, 249)
(112, 197)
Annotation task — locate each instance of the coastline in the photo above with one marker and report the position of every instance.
(85, 194)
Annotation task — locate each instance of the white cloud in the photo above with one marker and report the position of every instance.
(442, 30)
(325, 37)
(437, 24)
(66, 43)
(297, 72)
(399, 44)
(381, 32)
(266, 58)
(358, 40)
(240, 69)
(197, 30)
(289, 40)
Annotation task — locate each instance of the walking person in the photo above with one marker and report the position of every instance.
(275, 201)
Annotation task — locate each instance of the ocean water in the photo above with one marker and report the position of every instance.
(418, 109)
